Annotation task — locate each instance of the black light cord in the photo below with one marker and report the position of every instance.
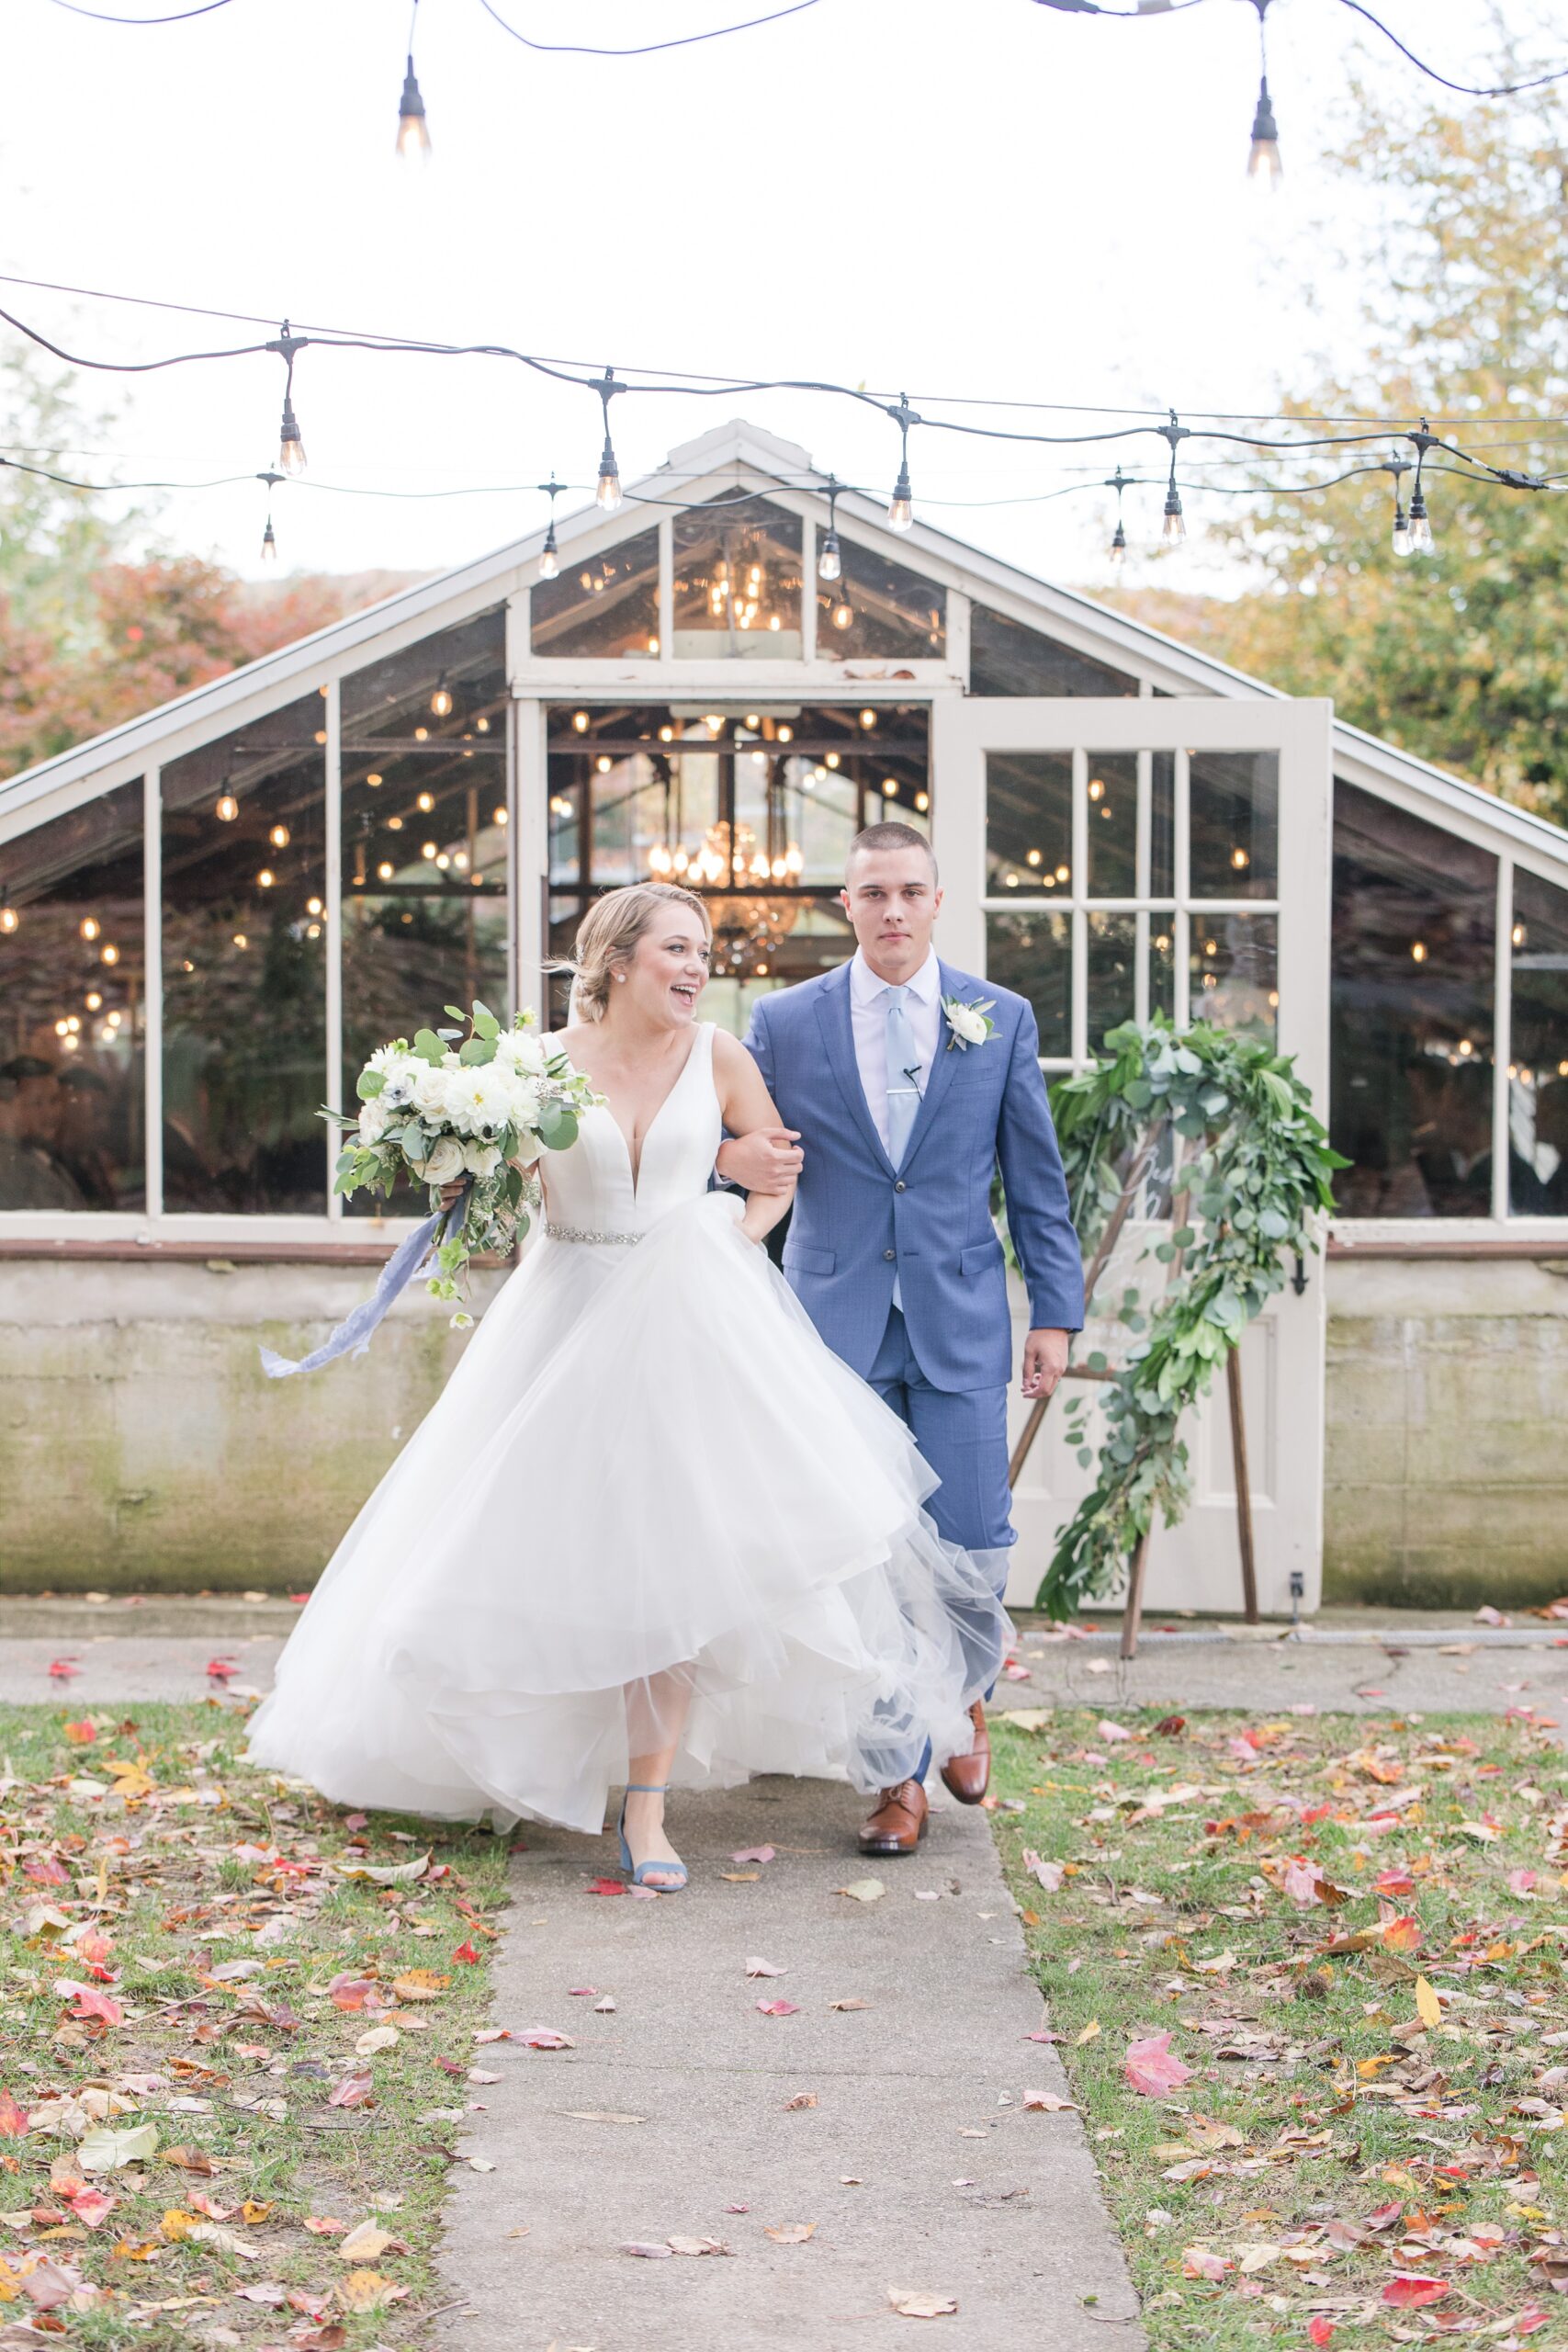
(648, 48)
(1465, 90)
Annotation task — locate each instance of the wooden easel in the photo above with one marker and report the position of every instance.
(1132, 1614)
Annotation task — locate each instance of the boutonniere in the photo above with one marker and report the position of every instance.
(969, 1024)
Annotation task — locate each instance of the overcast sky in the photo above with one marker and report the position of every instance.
(984, 198)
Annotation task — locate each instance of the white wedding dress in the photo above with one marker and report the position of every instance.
(646, 1464)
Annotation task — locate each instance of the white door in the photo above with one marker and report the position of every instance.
(1110, 859)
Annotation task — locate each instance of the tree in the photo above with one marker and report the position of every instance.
(1459, 656)
(88, 637)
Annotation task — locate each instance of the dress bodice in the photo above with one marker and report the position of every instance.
(590, 1187)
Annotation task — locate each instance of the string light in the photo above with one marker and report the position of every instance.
(441, 700)
(413, 131)
(1400, 539)
(549, 554)
(1263, 165)
(901, 505)
(291, 448)
(1174, 529)
(829, 557)
(1118, 482)
(10, 920)
(607, 496)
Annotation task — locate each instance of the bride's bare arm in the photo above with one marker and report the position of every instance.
(749, 1109)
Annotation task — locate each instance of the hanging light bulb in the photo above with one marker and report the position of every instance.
(1174, 529)
(441, 700)
(227, 808)
(901, 505)
(549, 554)
(269, 543)
(829, 557)
(607, 496)
(291, 448)
(10, 919)
(1263, 168)
(414, 132)
(1119, 538)
(843, 614)
(1421, 540)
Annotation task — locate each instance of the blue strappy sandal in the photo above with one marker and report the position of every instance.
(651, 1789)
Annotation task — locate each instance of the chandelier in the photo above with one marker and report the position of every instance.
(744, 925)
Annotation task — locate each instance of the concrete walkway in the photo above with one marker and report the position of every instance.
(909, 2156)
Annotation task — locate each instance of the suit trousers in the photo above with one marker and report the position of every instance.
(963, 1434)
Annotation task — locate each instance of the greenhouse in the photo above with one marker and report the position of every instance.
(209, 915)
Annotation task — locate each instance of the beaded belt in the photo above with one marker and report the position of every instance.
(575, 1233)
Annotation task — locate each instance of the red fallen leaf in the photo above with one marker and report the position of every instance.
(352, 1992)
(1521, 1882)
(94, 1946)
(83, 1734)
(1385, 2216)
(298, 1599)
(778, 2009)
(465, 1951)
(88, 2004)
(91, 2205)
(450, 2066)
(1528, 2322)
(353, 2091)
(1152, 2068)
(1321, 2330)
(324, 2225)
(45, 1869)
(1170, 1726)
(1412, 2291)
(544, 2037)
(220, 1669)
(606, 1886)
(1197, 2262)
(583, 1991)
(62, 1668)
(1400, 1934)
(1397, 1881)
(13, 2118)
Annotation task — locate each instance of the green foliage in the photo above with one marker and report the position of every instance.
(1254, 1170)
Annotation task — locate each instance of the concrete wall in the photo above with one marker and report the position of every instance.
(1448, 1431)
(142, 1449)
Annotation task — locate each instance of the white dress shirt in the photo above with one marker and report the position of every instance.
(868, 1016)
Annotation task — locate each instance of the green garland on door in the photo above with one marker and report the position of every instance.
(1252, 1166)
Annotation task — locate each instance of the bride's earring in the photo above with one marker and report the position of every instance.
(620, 976)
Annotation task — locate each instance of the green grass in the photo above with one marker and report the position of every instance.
(236, 2071)
(1323, 2118)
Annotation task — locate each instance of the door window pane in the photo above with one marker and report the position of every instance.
(1112, 824)
(878, 609)
(1006, 658)
(1415, 917)
(1112, 966)
(737, 582)
(1537, 1090)
(424, 842)
(602, 607)
(1031, 952)
(244, 967)
(1235, 972)
(1234, 819)
(1029, 823)
(73, 1000)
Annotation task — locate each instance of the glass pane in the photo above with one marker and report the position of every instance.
(1006, 658)
(244, 969)
(1161, 882)
(73, 995)
(1415, 916)
(1032, 952)
(1162, 967)
(1234, 823)
(1112, 963)
(424, 838)
(1538, 1091)
(1235, 972)
(1029, 822)
(1113, 824)
(737, 582)
(759, 945)
(879, 608)
(600, 606)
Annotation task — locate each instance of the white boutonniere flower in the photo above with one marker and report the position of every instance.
(969, 1024)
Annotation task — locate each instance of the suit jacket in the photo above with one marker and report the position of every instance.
(858, 1220)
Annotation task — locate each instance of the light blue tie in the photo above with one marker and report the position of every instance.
(903, 1089)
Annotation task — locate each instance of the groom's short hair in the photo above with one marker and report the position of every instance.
(893, 835)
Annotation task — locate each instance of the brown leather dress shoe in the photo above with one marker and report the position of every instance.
(900, 1822)
(968, 1776)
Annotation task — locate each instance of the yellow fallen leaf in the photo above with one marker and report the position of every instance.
(10, 2285)
(1369, 2069)
(366, 2244)
(1088, 2034)
(862, 1890)
(367, 2290)
(420, 1984)
(177, 2224)
(1427, 2002)
(911, 2305)
(791, 2233)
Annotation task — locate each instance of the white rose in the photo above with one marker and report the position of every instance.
(967, 1024)
(373, 1116)
(446, 1163)
(524, 1100)
(482, 1159)
(430, 1090)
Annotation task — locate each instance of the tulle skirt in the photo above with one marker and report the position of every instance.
(650, 1502)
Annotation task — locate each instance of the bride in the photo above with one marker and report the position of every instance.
(653, 1531)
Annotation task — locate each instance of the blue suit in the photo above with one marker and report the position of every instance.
(945, 1361)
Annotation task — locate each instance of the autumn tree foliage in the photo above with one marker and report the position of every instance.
(90, 632)
(1458, 657)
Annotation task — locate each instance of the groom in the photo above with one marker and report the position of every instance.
(907, 1099)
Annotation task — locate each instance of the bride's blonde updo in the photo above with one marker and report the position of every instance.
(610, 930)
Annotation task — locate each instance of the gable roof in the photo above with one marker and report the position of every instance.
(728, 454)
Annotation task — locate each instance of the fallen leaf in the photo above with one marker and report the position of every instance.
(754, 1854)
(1412, 2290)
(850, 2004)
(1320, 2331)
(544, 2037)
(610, 1886)
(353, 2091)
(697, 2245)
(1152, 2068)
(600, 2115)
(1047, 1874)
(911, 2305)
(366, 2244)
(367, 2290)
(801, 2099)
(862, 1890)
(104, 2149)
(466, 1952)
(778, 2009)
(647, 2253)
(763, 1967)
(791, 2233)
(1047, 2103)
(13, 2118)
(380, 2037)
(420, 1984)
(1427, 2002)
(385, 1873)
(1091, 2033)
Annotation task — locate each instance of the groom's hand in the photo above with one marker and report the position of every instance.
(1044, 1362)
(767, 1160)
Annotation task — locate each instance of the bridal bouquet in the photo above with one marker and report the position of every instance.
(440, 1110)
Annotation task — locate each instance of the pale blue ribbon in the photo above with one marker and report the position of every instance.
(355, 1331)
